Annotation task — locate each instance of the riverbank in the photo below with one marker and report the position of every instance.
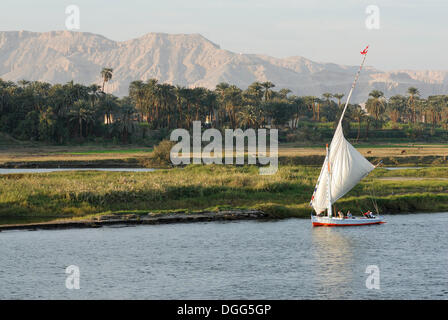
(97, 156)
(140, 219)
(89, 195)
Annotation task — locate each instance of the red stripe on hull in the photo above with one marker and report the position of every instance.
(320, 224)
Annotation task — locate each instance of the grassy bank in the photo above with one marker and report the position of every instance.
(73, 195)
(96, 156)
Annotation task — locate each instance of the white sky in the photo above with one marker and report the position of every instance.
(412, 34)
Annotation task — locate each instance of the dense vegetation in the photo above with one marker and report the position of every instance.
(47, 196)
(66, 113)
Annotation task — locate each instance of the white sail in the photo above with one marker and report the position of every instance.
(347, 165)
(347, 168)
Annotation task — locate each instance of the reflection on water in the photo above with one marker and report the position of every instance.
(333, 254)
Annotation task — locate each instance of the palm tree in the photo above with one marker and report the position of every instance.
(197, 95)
(125, 118)
(167, 100)
(154, 97)
(375, 105)
(81, 113)
(319, 102)
(413, 95)
(94, 94)
(246, 117)
(267, 89)
(395, 107)
(368, 120)
(358, 114)
(47, 121)
(109, 105)
(106, 74)
(435, 106)
(423, 109)
(221, 87)
(327, 96)
(211, 103)
(339, 97)
(232, 100)
(299, 107)
(137, 94)
(310, 101)
(284, 93)
(255, 92)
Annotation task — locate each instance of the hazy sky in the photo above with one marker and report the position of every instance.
(412, 34)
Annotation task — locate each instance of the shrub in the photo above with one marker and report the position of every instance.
(161, 153)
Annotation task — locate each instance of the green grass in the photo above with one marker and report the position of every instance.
(393, 145)
(424, 172)
(74, 195)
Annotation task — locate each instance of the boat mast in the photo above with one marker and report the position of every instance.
(364, 54)
(329, 207)
(329, 210)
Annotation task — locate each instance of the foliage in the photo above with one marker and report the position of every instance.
(71, 112)
(161, 153)
(196, 187)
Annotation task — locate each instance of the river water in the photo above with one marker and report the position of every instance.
(285, 259)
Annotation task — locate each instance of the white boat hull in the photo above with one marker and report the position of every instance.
(346, 222)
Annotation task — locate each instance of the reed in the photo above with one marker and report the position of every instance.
(58, 195)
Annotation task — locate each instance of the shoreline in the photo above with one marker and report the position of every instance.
(156, 219)
(133, 219)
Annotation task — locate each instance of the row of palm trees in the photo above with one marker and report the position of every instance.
(58, 113)
(39, 110)
(166, 106)
(409, 109)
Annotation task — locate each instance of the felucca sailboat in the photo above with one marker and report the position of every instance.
(343, 169)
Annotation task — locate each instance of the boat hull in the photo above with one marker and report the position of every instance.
(348, 222)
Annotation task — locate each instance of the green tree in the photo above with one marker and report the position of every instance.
(396, 107)
(125, 122)
(267, 85)
(106, 75)
(358, 114)
(413, 95)
(339, 97)
(81, 114)
(376, 105)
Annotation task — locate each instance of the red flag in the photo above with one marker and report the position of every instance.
(365, 50)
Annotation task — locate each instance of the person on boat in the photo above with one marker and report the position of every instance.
(349, 214)
(369, 214)
(341, 215)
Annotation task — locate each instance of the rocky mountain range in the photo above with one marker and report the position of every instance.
(189, 60)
